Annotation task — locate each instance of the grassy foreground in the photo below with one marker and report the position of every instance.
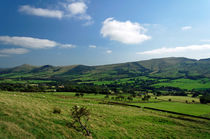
(29, 115)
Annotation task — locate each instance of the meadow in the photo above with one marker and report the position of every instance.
(30, 115)
(189, 84)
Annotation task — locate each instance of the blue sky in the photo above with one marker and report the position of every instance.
(97, 32)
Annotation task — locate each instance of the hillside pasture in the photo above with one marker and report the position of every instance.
(188, 84)
(30, 115)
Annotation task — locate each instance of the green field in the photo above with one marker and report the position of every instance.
(29, 115)
(179, 99)
(189, 84)
(192, 109)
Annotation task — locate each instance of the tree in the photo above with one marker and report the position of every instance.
(146, 97)
(106, 97)
(80, 116)
(204, 99)
(130, 98)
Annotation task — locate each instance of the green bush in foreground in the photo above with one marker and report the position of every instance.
(80, 117)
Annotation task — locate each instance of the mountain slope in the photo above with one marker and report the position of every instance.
(162, 68)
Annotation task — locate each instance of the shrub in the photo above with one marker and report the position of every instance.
(56, 110)
(205, 99)
(107, 96)
(130, 98)
(77, 95)
(146, 97)
(169, 99)
(82, 94)
(193, 101)
(80, 117)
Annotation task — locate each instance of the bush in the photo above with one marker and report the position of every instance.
(146, 98)
(205, 99)
(80, 117)
(79, 94)
(169, 99)
(56, 110)
(106, 97)
(130, 98)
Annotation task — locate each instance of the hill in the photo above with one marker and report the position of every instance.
(30, 115)
(162, 70)
(164, 67)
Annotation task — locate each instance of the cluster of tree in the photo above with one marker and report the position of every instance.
(204, 99)
(23, 87)
(83, 88)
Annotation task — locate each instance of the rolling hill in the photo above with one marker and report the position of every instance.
(159, 68)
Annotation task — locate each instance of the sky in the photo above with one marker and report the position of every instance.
(98, 32)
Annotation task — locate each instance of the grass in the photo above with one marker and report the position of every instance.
(192, 109)
(30, 115)
(179, 98)
(187, 83)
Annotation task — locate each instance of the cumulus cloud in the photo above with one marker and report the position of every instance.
(109, 51)
(33, 43)
(77, 8)
(14, 51)
(186, 28)
(41, 12)
(92, 46)
(125, 32)
(190, 51)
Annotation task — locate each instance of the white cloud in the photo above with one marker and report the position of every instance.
(29, 42)
(66, 45)
(41, 12)
(186, 28)
(77, 8)
(190, 51)
(92, 46)
(88, 23)
(14, 51)
(70, 9)
(177, 49)
(124, 32)
(109, 51)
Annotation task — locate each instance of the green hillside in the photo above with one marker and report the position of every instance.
(163, 70)
(30, 115)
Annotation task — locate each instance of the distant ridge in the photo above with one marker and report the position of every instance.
(172, 67)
